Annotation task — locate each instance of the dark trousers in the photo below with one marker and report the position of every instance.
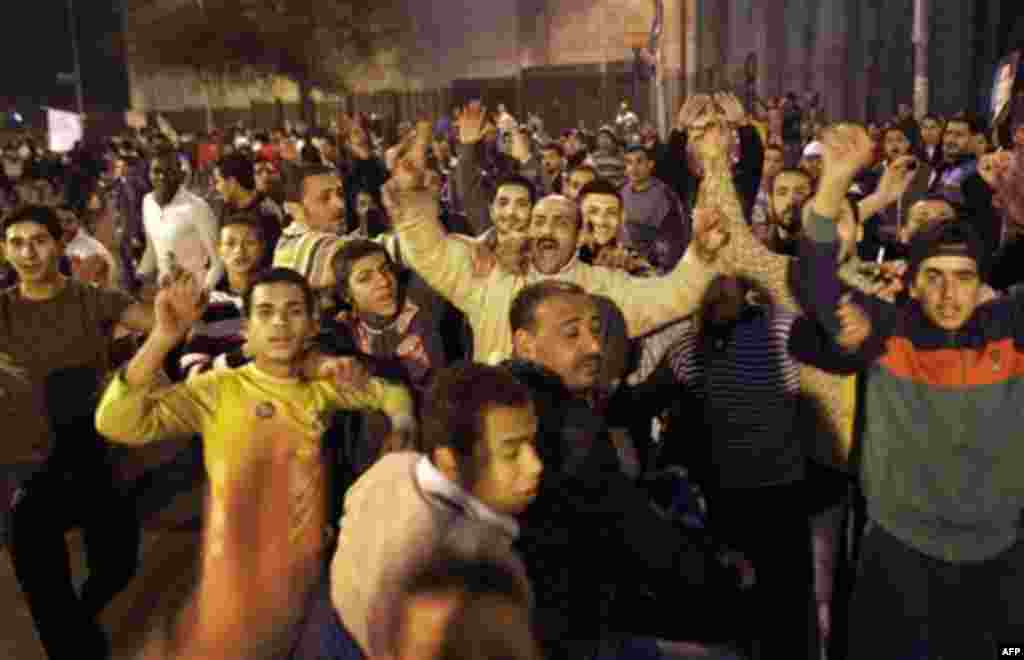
(907, 605)
(771, 527)
(64, 495)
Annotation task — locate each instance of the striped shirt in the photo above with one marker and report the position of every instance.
(309, 252)
(218, 333)
(749, 385)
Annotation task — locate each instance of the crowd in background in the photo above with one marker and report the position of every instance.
(746, 390)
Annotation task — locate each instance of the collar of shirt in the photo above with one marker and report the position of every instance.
(296, 228)
(438, 486)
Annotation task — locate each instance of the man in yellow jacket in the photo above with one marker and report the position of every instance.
(279, 322)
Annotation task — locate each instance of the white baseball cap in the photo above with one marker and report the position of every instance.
(814, 150)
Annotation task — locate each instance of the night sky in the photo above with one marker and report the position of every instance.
(37, 46)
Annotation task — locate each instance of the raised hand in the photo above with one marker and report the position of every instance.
(709, 233)
(412, 187)
(692, 109)
(847, 149)
(472, 123)
(732, 108)
(714, 143)
(178, 306)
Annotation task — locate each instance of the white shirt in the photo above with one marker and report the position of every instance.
(186, 227)
(84, 245)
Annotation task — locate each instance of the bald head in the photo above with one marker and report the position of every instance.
(554, 228)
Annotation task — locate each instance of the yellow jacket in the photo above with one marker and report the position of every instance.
(216, 404)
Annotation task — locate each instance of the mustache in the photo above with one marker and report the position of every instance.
(593, 361)
(546, 242)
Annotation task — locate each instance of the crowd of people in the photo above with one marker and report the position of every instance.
(478, 391)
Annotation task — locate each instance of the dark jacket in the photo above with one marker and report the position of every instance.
(942, 456)
(592, 531)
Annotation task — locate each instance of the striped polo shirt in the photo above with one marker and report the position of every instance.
(306, 251)
(749, 385)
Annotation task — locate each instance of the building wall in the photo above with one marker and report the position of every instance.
(568, 59)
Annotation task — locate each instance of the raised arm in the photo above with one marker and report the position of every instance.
(745, 255)
(412, 198)
(650, 303)
(131, 412)
(847, 150)
(469, 178)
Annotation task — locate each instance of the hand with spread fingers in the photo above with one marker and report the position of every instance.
(709, 233)
(732, 108)
(692, 109)
(178, 306)
(472, 123)
(846, 150)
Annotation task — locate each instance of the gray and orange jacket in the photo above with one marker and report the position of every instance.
(943, 430)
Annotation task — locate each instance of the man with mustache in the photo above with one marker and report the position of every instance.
(446, 264)
(586, 500)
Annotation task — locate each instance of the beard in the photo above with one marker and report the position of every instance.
(788, 219)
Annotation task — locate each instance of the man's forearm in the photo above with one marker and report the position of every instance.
(145, 366)
(470, 184)
(745, 255)
(872, 204)
(829, 198)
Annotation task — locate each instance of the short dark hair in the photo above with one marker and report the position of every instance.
(454, 407)
(246, 218)
(934, 117)
(295, 179)
(280, 276)
(37, 213)
(473, 577)
(600, 187)
(522, 314)
(553, 146)
(240, 168)
(476, 628)
(515, 180)
(347, 256)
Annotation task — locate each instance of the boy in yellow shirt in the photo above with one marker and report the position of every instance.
(279, 309)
